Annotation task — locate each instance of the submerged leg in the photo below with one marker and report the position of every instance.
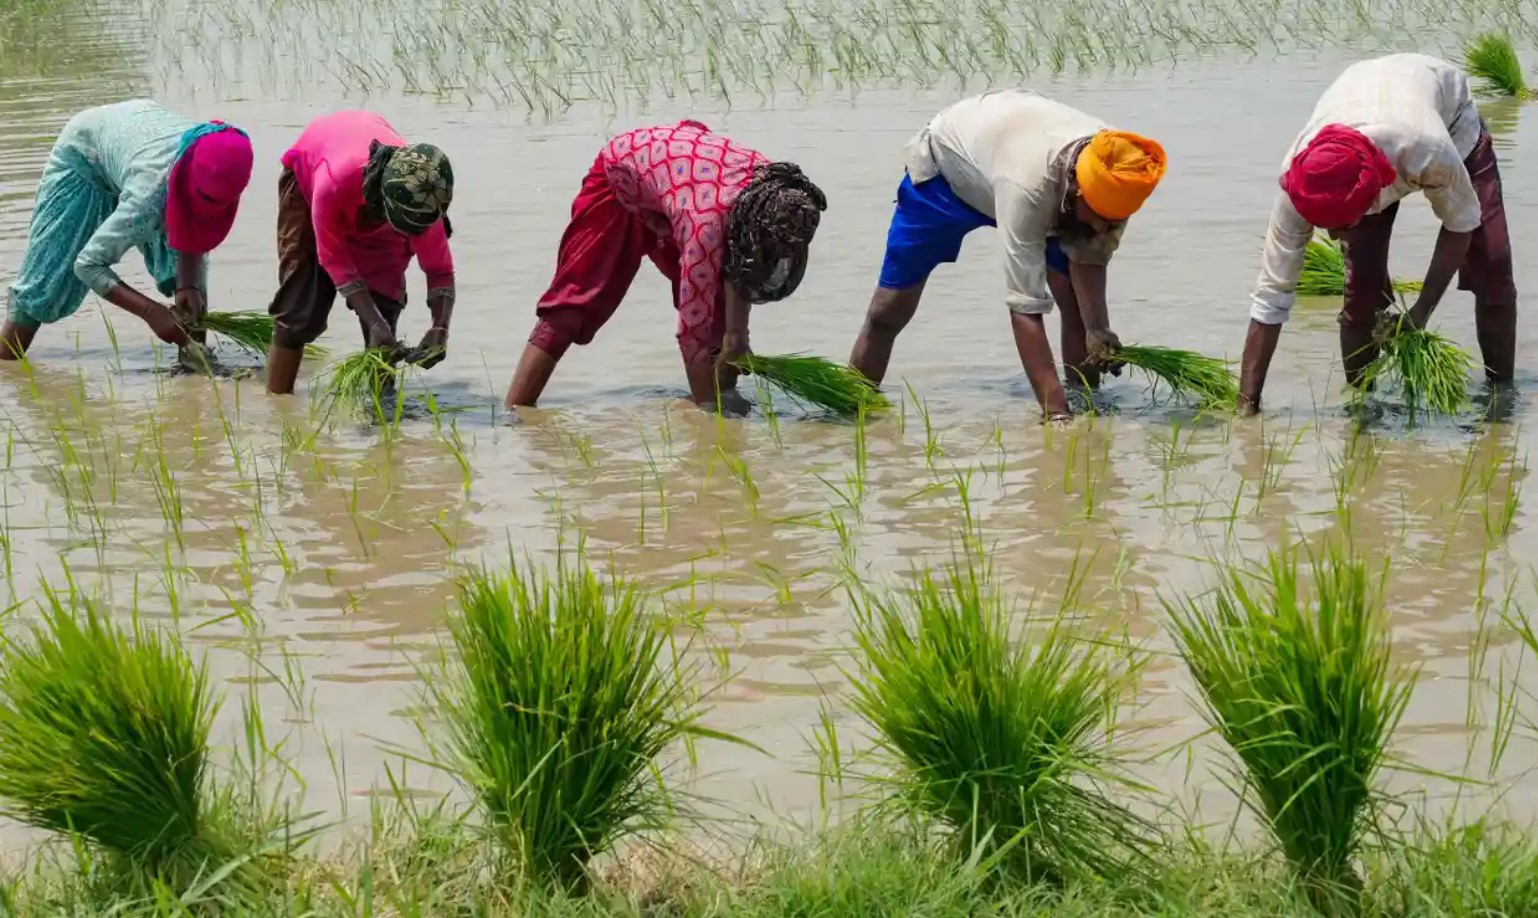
(15, 338)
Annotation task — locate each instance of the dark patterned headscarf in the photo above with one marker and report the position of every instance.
(409, 187)
(770, 230)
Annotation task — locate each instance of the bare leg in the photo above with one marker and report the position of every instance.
(15, 338)
(1036, 355)
(889, 313)
(533, 374)
(282, 368)
(1496, 326)
(1075, 350)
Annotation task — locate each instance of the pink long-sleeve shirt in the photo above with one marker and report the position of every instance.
(690, 177)
(328, 161)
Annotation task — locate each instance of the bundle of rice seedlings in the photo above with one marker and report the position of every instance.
(1324, 270)
(1491, 59)
(560, 697)
(104, 732)
(1431, 371)
(816, 382)
(1207, 381)
(1004, 742)
(361, 381)
(249, 331)
(1300, 685)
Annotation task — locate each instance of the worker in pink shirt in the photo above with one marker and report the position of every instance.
(355, 205)
(725, 225)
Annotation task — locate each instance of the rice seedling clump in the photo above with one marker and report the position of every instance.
(104, 732)
(560, 697)
(1004, 743)
(816, 382)
(1207, 381)
(1491, 59)
(1432, 372)
(1299, 683)
(1324, 271)
(249, 331)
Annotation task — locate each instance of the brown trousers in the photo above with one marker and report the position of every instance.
(1486, 272)
(306, 292)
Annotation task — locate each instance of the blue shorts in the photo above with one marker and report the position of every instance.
(927, 228)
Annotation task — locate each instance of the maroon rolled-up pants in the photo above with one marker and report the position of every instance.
(1486, 272)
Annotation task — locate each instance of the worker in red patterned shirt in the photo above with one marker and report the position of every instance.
(725, 225)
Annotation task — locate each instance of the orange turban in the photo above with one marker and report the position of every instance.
(1117, 171)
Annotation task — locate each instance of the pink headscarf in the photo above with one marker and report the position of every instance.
(1334, 180)
(205, 188)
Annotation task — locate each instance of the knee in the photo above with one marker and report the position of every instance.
(892, 310)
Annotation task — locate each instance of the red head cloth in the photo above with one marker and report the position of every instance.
(205, 188)
(1334, 180)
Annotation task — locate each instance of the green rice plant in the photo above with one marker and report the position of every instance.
(362, 381)
(1491, 59)
(559, 698)
(1207, 381)
(1324, 270)
(816, 382)
(1005, 742)
(1432, 372)
(1301, 686)
(104, 732)
(250, 331)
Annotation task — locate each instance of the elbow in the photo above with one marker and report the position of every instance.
(98, 278)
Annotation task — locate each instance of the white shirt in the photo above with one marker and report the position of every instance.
(1419, 112)
(1007, 153)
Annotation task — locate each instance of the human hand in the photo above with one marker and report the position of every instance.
(382, 338)
(1101, 346)
(432, 349)
(190, 306)
(163, 323)
(734, 347)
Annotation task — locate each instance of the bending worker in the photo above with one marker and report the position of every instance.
(1385, 129)
(1059, 184)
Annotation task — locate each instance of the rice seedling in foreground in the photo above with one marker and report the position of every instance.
(817, 382)
(1431, 371)
(1005, 743)
(1207, 381)
(104, 732)
(560, 697)
(1324, 271)
(249, 331)
(1300, 684)
(1491, 59)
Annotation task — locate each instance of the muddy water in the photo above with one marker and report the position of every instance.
(211, 502)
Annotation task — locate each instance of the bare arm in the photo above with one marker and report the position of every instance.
(1040, 367)
(1448, 256)
(1259, 348)
(379, 335)
(1089, 287)
(191, 303)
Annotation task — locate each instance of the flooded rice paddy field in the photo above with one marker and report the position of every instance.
(326, 553)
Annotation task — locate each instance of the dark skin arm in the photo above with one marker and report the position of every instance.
(1259, 348)
(1448, 256)
(434, 345)
(1040, 367)
(157, 316)
(1089, 289)
(191, 306)
(379, 333)
(708, 378)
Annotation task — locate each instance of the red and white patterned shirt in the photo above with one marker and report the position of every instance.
(690, 178)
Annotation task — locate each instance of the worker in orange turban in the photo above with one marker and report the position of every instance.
(1117, 171)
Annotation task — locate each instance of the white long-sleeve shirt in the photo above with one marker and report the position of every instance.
(1419, 112)
(1008, 153)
